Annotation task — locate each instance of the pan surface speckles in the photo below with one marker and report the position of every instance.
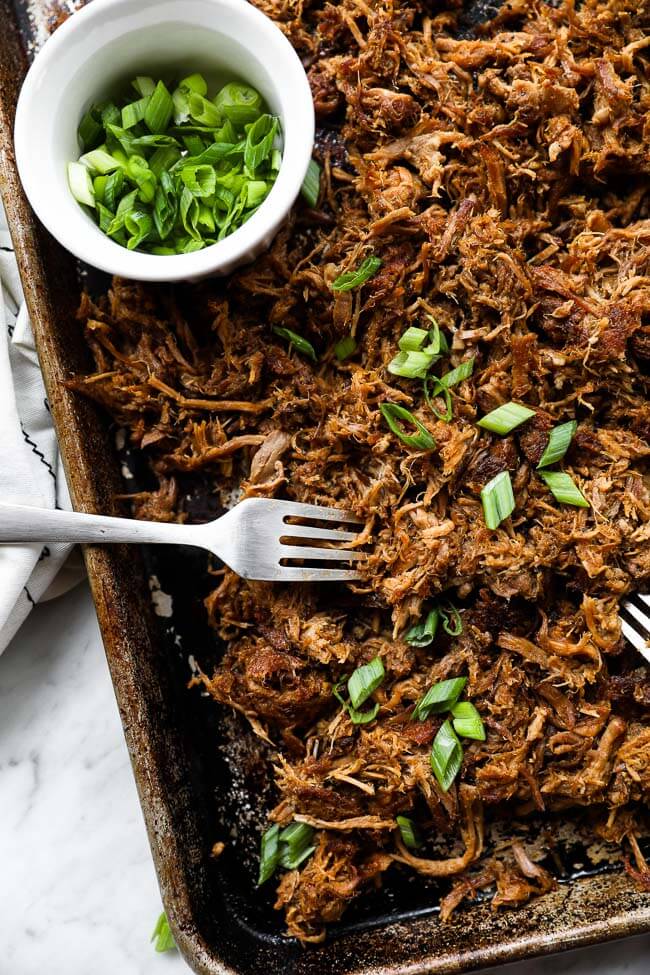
(38, 20)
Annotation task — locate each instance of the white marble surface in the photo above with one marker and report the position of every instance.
(78, 894)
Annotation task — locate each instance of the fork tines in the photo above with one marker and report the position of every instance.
(635, 622)
(296, 553)
(314, 512)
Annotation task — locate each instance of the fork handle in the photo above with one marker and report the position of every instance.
(19, 523)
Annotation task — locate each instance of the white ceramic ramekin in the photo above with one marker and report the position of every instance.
(110, 41)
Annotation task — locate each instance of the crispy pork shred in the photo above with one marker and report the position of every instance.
(500, 174)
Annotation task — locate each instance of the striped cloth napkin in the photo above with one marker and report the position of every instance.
(30, 466)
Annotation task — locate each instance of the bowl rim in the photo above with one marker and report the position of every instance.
(298, 131)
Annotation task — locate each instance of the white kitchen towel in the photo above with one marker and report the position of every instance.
(30, 466)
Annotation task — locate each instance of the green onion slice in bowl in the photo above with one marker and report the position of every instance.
(199, 166)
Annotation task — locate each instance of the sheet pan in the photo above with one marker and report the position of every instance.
(198, 772)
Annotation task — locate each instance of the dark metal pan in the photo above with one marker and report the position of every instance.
(199, 775)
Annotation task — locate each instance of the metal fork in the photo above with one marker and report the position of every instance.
(255, 538)
(635, 622)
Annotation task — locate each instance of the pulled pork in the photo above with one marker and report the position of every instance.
(501, 177)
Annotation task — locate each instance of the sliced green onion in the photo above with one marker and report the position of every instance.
(91, 129)
(467, 721)
(207, 133)
(232, 220)
(413, 339)
(134, 143)
(296, 844)
(293, 862)
(127, 203)
(439, 698)
(165, 207)
(259, 141)
(498, 500)
(558, 443)
(239, 103)
(144, 86)
(232, 164)
(457, 375)
(232, 180)
(154, 141)
(111, 115)
(363, 717)
(119, 137)
(354, 279)
(364, 681)
(137, 170)
(202, 110)
(256, 192)
(310, 189)
(196, 146)
(206, 218)
(437, 342)
(99, 186)
(162, 936)
(443, 384)
(118, 153)
(116, 229)
(423, 634)
(163, 160)
(181, 100)
(116, 232)
(189, 213)
(411, 365)
(139, 226)
(100, 161)
(288, 848)
(200, 180)
(134, 113)
(188, 245)
(160, 109)
(345, 348)
(122, 210)
(506, 418)
(113, 189)
(356, 716)
(210, 156)
(105, 215)
(446, 756)
(224, 200)
(336, 692)
(81, 185)
(227, 133)
(236, 150)
(453, 626)
(269, 853)
(196, 83)
(564, 488)
(438, 390)
(397, 416)
(409, 833)
(297, 341)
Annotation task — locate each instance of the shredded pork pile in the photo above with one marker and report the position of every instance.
(500, 174)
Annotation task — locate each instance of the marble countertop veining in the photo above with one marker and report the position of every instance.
(78, 894)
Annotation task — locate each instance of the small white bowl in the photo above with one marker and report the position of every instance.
(107, 43)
